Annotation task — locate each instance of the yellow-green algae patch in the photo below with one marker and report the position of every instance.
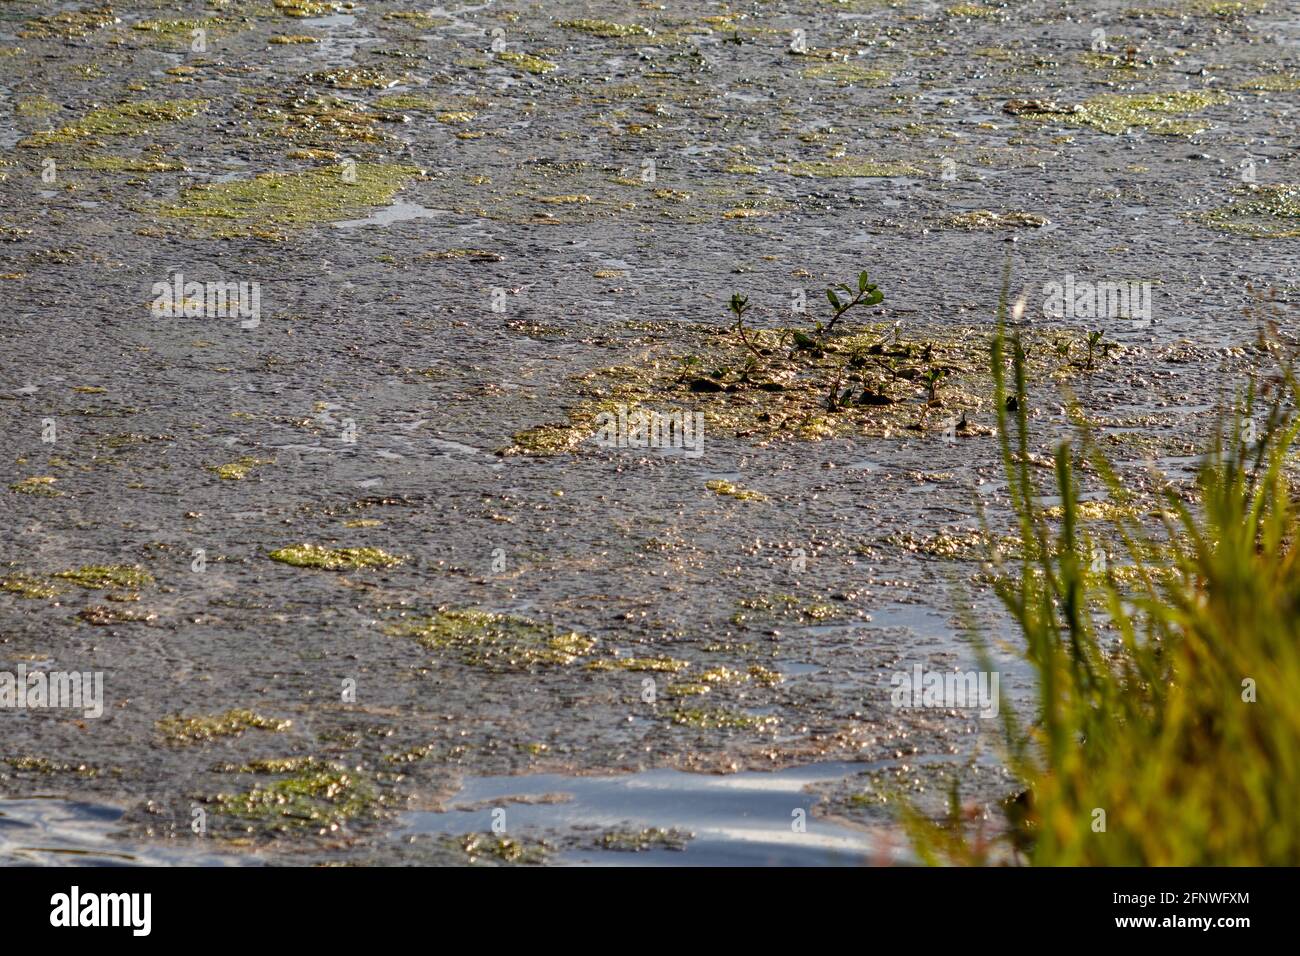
(35, 106)
(317, 795)
(783, 607)
(103, 577)
(987, 219)
(502, 849)
(69, 24)
(526, 62)
(290, 200)
(972, 10)
(637, 841)
(334, 559)
(238, 470)
(326, 121)
(1261, 211)
(1275, 83)
(426, 102)
(852, 168)
(131, 118)
(484, 638)
(721, 487)
(606, 28)
(41, 486)
(128, 164)
(848, 73)
(421, 17)
(718, 718)
(178, 729)
(655, 665)
(1117, 113)
(944, 544)
(353, 78)
(304, 8)
(26, 586)
(177, 30)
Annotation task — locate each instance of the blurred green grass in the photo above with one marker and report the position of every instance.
(1166, 729)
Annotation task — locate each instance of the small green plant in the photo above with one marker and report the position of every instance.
(867, 294)
(739, 306)
(1097, 347)
(931, 379)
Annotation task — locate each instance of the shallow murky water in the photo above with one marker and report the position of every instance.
(551, 216)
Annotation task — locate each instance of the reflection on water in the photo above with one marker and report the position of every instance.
(737, 819)
(45, 831)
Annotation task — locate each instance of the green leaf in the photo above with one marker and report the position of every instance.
(874, 298)
(835, 300)
(862, 282)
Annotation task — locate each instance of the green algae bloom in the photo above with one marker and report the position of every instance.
(349, 78)
(987, 219)
(529, 64)
(275, 201)
(635, 841)
(238, 470)
(334, 559)
(318, 795)
(69, 25)
(26, 586)
(972, 10)
(104, 577)
(606, 28)
(1117, 113)
(41, 486)
(848, 74)
(660, 665)
(1275, 83)
(304, 8)
(190, 730)
(1260, 211)
(128, 164)
(482, 638)
(177, 29)
(502, 849)
(852, 168)
(720, 487)
(35, 106)
(719, 718)
(125, 119)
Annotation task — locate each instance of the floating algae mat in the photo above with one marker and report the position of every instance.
(334, 559)
(124, 119)
(1263, 211)
(851, 168)
(103, 577)
(501, 640)
(274, 202)
(607, 29)
(181, 730)
(1117, 113)
(316, 794)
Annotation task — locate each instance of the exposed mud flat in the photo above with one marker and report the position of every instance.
(473, 229)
